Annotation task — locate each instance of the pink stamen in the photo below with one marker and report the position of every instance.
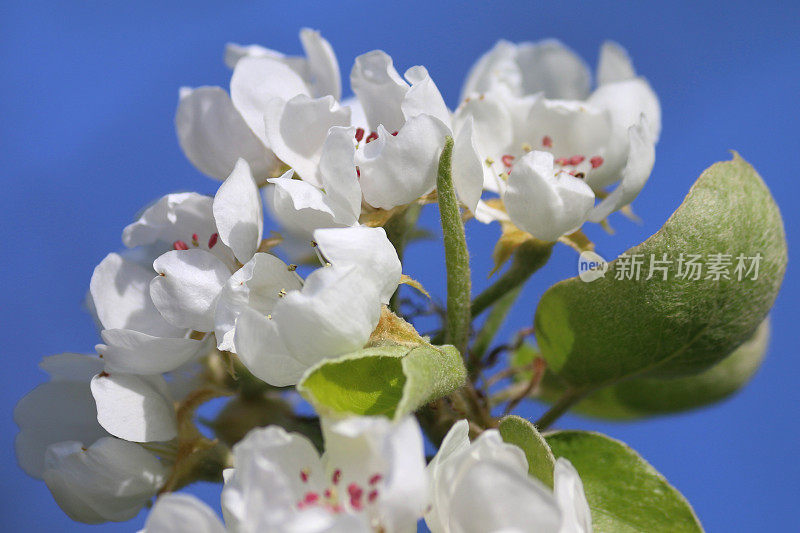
(304, 476)
(180, 245)
(358, 172)
(372, 496)
(375, 479)
(562, 161)
(311, 498)
(596, 161)
(355, 493)
(508, 160)
(576, 160)
(371, 137)
(547, 141)
(337, 475)
(213, 240)
(359, 134)
(394, 133)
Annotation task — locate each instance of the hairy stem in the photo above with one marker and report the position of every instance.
(529, 257)
(456, 254)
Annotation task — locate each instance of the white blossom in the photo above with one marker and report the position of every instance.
(484, 486)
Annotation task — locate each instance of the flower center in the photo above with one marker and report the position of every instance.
(371, 137)
(195, 241)
(577, 165)
(354, 498)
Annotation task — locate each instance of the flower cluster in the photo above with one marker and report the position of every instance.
(198, 290)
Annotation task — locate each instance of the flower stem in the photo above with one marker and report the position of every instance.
(398, 229)
(456, 254)
(529, 257)
(569, 399)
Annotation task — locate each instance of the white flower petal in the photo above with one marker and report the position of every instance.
(424, 98)
(179, 513)
(396, 170)
(120, 293)
(334, 314)
(468, 168)
(187, 286)
(358, 118)
(71, 367)
(571, 498)
(496, 65)
(302, 207)
(110, 480)
(260, 348)
(134, 408)
(173, 217)
(627, 101)
(54, 412)
(322, 65)
(338, 173)
(492, 132)
(614, 64)
(543, 203)
(491, 496)
(296, 130)
(380, 90)
(213, 135)
(234, 52)
(550, 67)
(257, 285)
(641, 158)
(132, 352)
(238, 212)
(366, 248)
(258, 80)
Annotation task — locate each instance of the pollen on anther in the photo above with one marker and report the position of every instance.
(508, 160)
(359, 134)
(547, 141)
(180, 245)
(489, 161)
(596, 161)
(282, 293)
(213, 240)
(394, 133)
(526, 147)
(292, 267)
(371, 137)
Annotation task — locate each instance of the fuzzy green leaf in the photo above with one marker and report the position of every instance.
(624, 492)
(389, 380)
(518, 431)
(598, 333)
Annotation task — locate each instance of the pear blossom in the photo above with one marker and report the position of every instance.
(536, 96)
(484, 486)
(280, 325)
(215, 130)
(60, 410)
(370, 478)
(111, 480)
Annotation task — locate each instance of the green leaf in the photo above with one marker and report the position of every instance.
(597, 333)
(389, 380)
(520, 432)
(624, 492)
(642, 397)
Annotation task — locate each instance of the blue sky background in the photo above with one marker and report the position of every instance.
(87, 100)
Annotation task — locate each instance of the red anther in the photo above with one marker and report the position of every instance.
(304, 476)
(194, 236)
(576, 160)
(596, 161)
(359, 134)
(327, 494)
(372, 496)
(562, 161)
(337, 475)
(103, 374)
(394, 133)
(508, 160)
(358, 172)
(547, 141)
(355, 493)
(371, 137)
(180, 245)
(311, 498)
(213, 240)
(375, 479)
